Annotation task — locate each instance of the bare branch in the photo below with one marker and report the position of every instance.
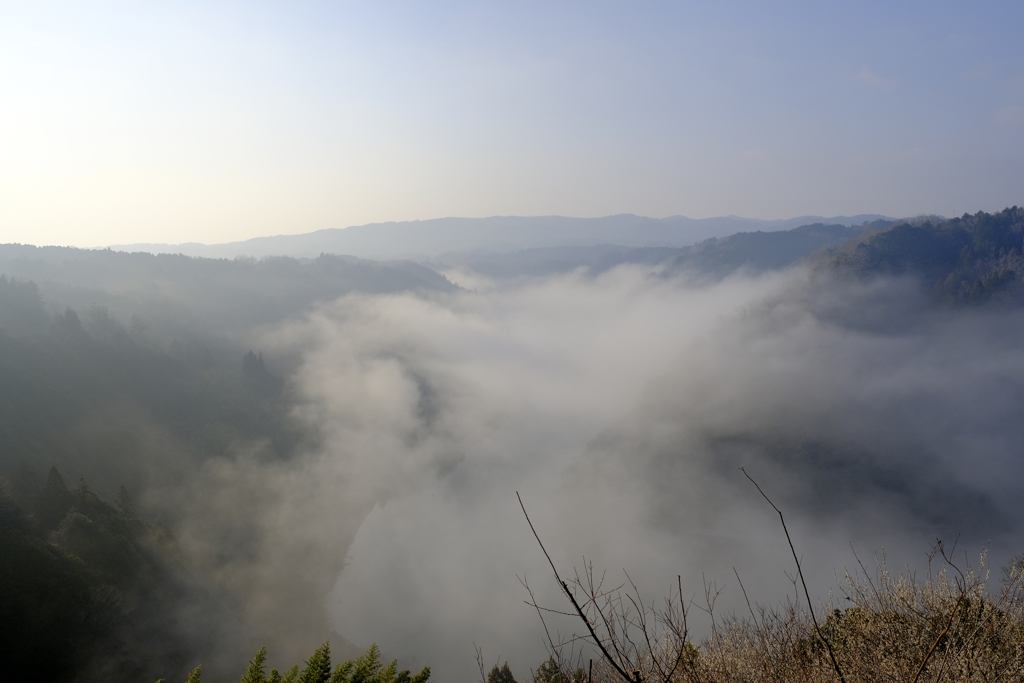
(799, 571)
(572, 599)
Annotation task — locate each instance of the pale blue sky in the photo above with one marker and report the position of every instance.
(218, 121)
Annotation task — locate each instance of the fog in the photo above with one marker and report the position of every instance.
(620, 408)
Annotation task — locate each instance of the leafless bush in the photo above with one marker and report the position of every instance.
(950, 625)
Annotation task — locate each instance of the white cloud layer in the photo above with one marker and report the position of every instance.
(620, 407)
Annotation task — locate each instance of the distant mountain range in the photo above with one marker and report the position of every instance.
(715, 257)
(450, 237)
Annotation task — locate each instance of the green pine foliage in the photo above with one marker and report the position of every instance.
(85, 585)
(196, 675)
(367, 668)
(318, 668)
(502, 675)
(255, 672)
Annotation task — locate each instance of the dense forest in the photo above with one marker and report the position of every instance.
(967, 260)
(91, 588)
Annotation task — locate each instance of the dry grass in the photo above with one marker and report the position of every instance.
(948, 626)
(951, 625)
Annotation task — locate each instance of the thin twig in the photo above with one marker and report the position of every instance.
(941, 635)
(540, 616)
(572, 598)
(799, 571)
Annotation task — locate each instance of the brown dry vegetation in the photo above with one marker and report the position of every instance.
(957, 623)
(949, 626)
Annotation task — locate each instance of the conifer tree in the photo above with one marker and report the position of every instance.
(255, 672)
(318, 668)
(502, 675)
(196, 674)
(369, 669)
(343, 671)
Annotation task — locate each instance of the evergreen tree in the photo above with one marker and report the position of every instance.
(548, 672)
(318, 668)
(255, 672)
(369, 669)
(502, 675)
(196, 674)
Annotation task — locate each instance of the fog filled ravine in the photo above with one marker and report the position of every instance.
(339, 459)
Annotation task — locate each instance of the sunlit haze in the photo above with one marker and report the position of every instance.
(220, 121)
(303, 305)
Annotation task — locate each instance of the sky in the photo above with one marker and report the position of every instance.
(216, 121)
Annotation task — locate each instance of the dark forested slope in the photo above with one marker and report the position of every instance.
(132, 372)
(89, 590)
(181, 296)
(763, 251)
(966, 260)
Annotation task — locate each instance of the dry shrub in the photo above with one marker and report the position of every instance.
(948, 626)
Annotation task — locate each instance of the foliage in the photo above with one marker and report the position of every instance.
(84, 585)
(967, 261)
(369, 669)
(21, 307)
(550, 672)
(502, 675)
(318, 668)
(87, 585)
(364, 669)
(254, 674)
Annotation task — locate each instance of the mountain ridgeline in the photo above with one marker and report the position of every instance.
(716, 257)
(973, 259)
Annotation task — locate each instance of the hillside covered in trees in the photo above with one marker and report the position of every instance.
(968, 260)
(98, 406)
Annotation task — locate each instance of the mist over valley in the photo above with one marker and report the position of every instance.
(212, 455)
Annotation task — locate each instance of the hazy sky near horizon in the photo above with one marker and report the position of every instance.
(219, 121)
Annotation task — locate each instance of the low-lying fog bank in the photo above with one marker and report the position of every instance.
(620, 408)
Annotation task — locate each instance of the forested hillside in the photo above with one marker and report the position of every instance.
(91, 590)
(108, 410)
(967, 260)
(212, 300)
(81, 392)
